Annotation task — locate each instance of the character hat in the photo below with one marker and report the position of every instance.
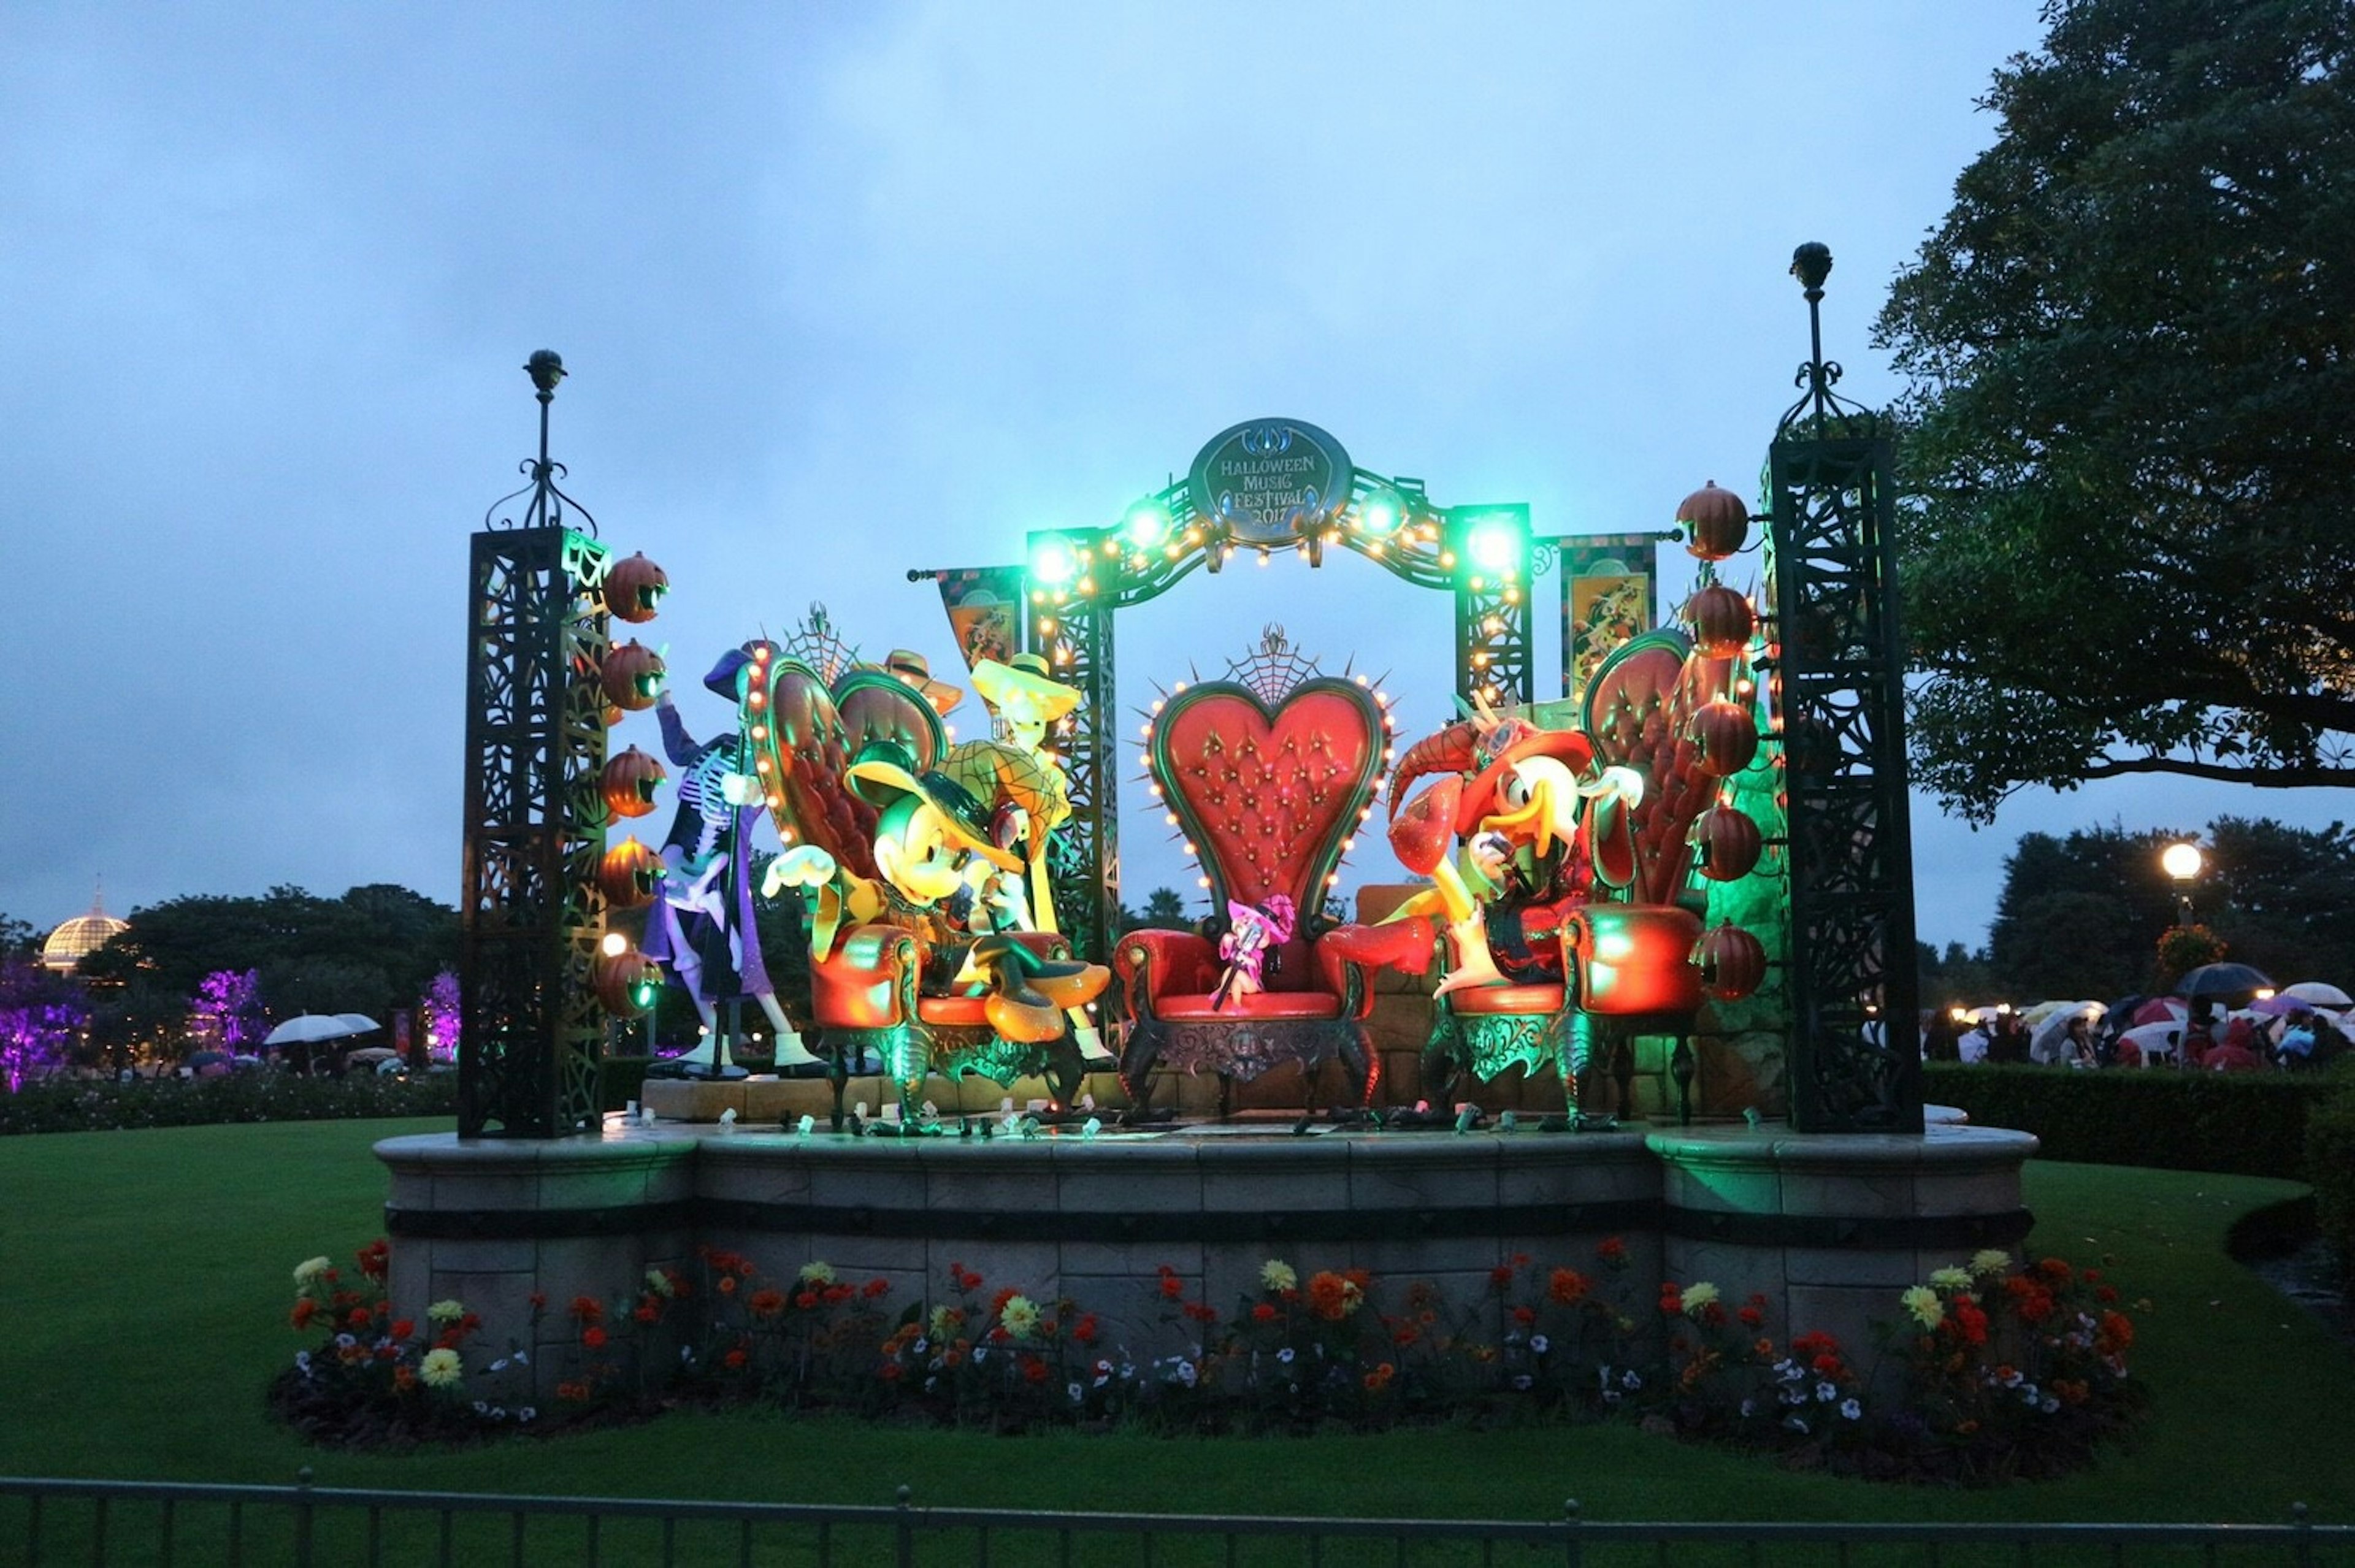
(721, 681)
(1025, 673)
(1515, 741)
(884, 775)
(917, 671)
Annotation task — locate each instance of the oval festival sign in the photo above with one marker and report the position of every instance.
(1271, 481)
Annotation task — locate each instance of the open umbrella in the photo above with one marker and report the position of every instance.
(2045, 1043)
(356, 1023)
(2154, 1039)
(2278, 1006)
(305, 1028)
(2159, 1010)
(2320, 993)
(2234, 983)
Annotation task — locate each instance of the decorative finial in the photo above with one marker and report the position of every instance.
(1811, 263)
(546, 367)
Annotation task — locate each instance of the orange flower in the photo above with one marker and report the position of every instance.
(768, 1303)
(1566, 1287)
(305, 1310)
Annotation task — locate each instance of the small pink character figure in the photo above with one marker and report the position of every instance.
(1251, 931)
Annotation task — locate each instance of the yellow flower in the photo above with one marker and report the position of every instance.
(440, 1369)
(1698, 1296)
(1021, 1317)
(1989, 1262)
(310, 1269)
(1277, 1275)
(947, 1320)
(445, 1312)
(1923, 1304)
(817, 1273)
(1951, 1278)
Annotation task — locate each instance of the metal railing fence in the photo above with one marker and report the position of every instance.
(196, 1525)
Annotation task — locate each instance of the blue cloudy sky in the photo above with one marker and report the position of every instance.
(848, 289)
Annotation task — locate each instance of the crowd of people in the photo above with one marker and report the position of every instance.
(2208, 1040)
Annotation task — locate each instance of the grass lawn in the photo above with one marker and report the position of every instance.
(144, 1279)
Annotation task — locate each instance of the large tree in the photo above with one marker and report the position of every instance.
(2130, 350)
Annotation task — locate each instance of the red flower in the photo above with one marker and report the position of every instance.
(727, 1286)
(357, 1320)
(734, 1359)
(303, 1311)
(1084, 1332)
(1525, 1315)
(1404, 1336)
(875, 1289)
(805, 1299)
(1970, 1321)
(1501, 1276)
(998, 1303)
(375, 1259)
(1172, 1287)
(1201, 1312)
(1750, 1316)
(768, 1303)
(402, 1328)
(538, 1300)
(588, 1308)
(647, 1312)
(1263, 1312)
(593, 1337)
(1611, 1250)
(1565, 1287)
(891, 1371)
(1034, 1370)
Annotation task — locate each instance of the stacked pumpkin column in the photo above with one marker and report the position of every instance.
(1736, 843)
(627, 982)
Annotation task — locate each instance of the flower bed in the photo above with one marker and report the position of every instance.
(1982, 1374)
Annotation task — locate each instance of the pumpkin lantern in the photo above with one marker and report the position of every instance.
(1727, 736)
(628, 783)
(1717, 521)
(634, 588)
(632, 676)
(1721, 621)
(1733, 963)
(1725, 843)
(626, 874)
(626, 982)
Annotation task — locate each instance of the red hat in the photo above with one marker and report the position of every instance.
(1514, 740)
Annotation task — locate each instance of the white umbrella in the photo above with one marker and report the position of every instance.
(2041, 1011)
(2044, 1045)
(2321, 992)
(306, 1028)
(2159, 1038)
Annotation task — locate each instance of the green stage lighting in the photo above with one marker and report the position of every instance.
(1052, 559)
(1381, 514)
(1494, 546)
(1147, 525)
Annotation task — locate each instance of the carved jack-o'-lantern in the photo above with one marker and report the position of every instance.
(626, 982)
(632, 676)
(1721, 621)
(634, 588)
(1731, 962)
(628, 783)
(1727, 736)
(1725, 843)
(627, 874)
(1716, 521)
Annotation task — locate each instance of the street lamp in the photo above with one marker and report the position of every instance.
(2182, 861)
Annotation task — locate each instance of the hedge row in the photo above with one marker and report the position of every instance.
(105, 1105)
(2241, 1123)
(2331, 1167)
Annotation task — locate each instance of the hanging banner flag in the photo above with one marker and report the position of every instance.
(984, 608)
(1609, 595)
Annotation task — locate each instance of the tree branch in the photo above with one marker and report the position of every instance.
(2311, 776)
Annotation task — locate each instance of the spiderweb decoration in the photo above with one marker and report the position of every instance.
(1273, 668)
(817, 645)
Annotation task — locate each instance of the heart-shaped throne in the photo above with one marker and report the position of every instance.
(1268, 786)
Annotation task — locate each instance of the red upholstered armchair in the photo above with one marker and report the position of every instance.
(1268, 794)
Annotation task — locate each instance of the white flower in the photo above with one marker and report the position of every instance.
(310, 1269)
(1698, 1296)
(529, 1412)
(1825, 1394)
(1186, 1373)
(441, 1369)
(1540, 1344)
(1796, 1422)
(445, 1311)
(500, 1365)
(816, 1272)
(1522, 1380)
(1021, 1317)
(1285, 1355)
(1629, 1379)
(1951, 1278)
(1990, 1261)
(482, 1407)
(2048, 1404)
(303, 1362)
(1278, 1275)
(1076, 1392)
(344, 1341)
(1850, 1409)
(521, 1360)
(1923, 1303)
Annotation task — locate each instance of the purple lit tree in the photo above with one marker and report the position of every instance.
(41, 1017)
(228, 1003)
(438, 1012)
